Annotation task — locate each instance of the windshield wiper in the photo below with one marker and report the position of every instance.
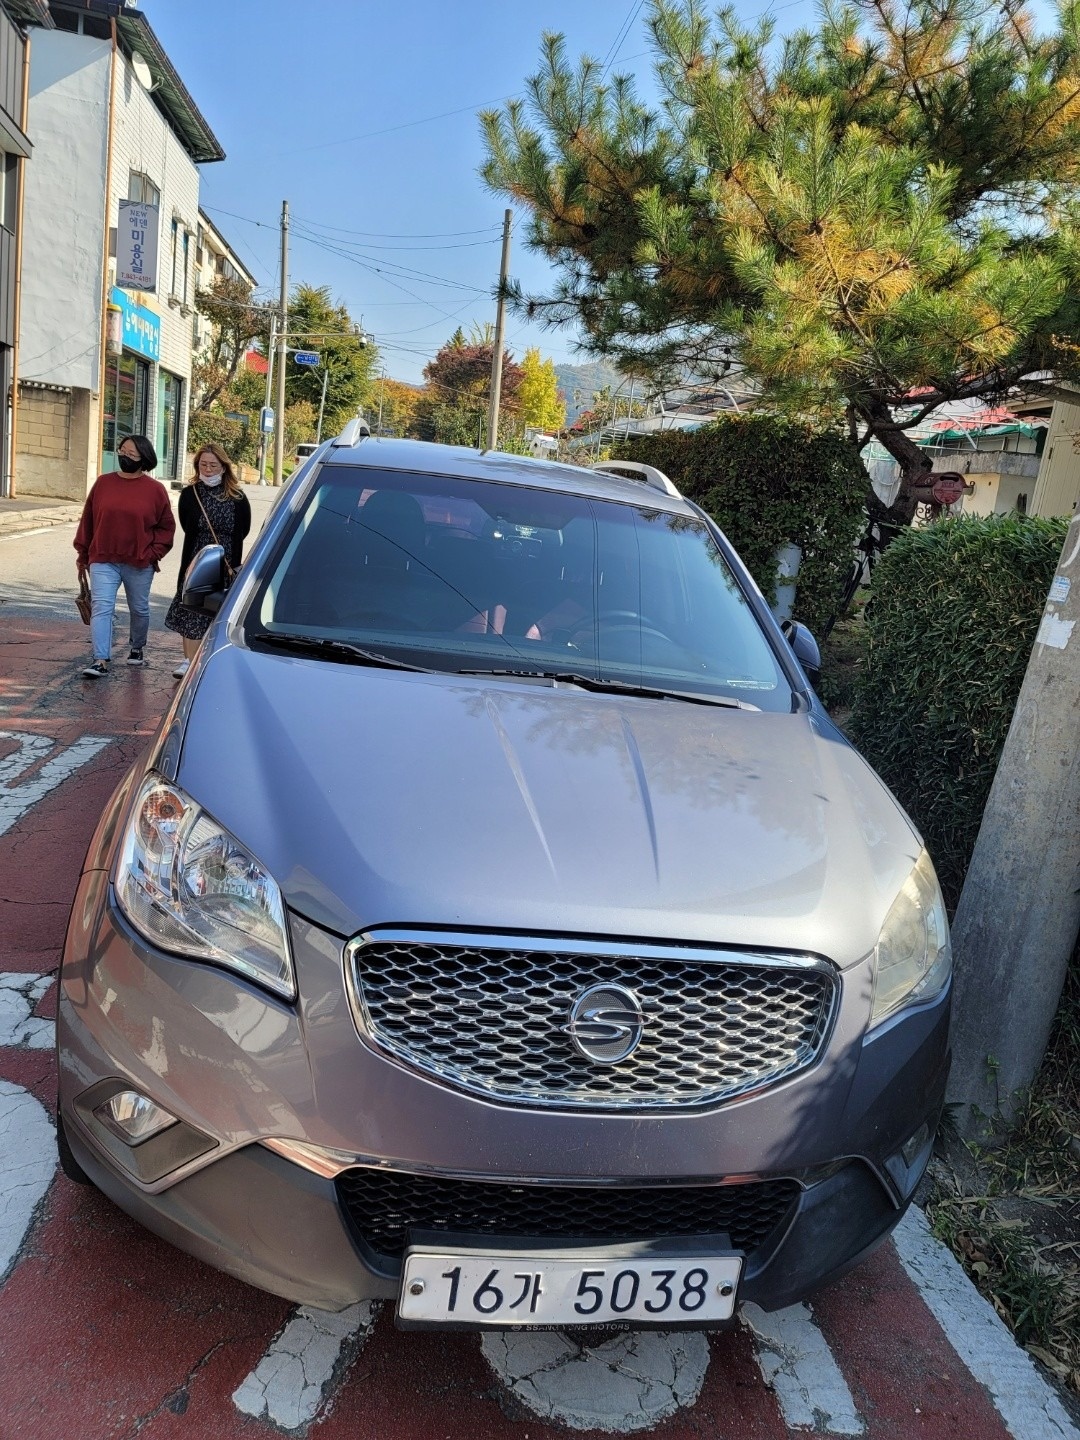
(334, 650)
(624, 687)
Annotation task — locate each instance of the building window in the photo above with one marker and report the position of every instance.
(65, 20)
(142, 189)
(97, 26)
(175, 248)
(172, 412)
(187, 245)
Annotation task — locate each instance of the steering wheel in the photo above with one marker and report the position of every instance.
(617, 621)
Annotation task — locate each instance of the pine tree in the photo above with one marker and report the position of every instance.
(871, 218)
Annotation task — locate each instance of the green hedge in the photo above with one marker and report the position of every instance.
(768, 481)
(950, 627)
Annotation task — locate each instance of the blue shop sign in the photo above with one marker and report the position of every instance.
(142, 328)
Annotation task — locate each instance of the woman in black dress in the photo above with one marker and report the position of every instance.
(213, 510)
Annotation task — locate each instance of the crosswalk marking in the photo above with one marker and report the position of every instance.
(288, 1386)
(27, 1163)
(798, 1366)
(19, 997)
(15, 800)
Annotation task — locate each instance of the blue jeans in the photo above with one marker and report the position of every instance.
(105, 581)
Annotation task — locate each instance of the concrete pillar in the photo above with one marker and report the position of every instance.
(1018, 917)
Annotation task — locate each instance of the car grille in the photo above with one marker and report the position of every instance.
(489, 1015)
(383, 1206)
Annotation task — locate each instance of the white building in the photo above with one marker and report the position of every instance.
(110, 120)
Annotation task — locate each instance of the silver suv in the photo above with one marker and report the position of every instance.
(498, 925)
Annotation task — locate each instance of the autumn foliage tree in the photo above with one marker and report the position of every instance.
(871, 218)
(542, 406)
(454, 403)
(236, 322)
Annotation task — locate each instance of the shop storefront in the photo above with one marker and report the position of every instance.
(129, 374)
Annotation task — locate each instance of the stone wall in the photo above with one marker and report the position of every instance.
(52, 441)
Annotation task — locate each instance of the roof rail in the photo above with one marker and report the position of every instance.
(354, 430)
(635, 470)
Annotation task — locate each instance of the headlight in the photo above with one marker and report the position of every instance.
(188, 886)
(913, 959)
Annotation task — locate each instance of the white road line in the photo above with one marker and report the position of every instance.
(19, 996)
(15, 800)
(1023, 1399)
(290, 1384)
(31, 749)
(629, 1382)
(798, 1366)
(27, 1163)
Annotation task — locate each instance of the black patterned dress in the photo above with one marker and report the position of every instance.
(231, 520)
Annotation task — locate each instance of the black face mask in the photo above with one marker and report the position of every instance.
(129, 466)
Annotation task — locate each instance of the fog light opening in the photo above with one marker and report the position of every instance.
(914, 1146)
(134, 1117)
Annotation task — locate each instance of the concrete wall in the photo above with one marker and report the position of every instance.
(64, 212)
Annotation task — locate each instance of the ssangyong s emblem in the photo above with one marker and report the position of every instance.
(606, 1023)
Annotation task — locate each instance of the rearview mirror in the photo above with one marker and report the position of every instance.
(805, 647)
(204, 583)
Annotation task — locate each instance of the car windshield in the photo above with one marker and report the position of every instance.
(464, 575)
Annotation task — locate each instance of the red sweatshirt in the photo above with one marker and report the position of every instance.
(127, 520)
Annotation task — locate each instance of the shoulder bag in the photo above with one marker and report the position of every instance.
(230, 573)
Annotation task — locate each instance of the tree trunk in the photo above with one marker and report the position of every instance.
(913, 460)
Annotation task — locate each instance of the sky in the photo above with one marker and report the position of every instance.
(363, 117)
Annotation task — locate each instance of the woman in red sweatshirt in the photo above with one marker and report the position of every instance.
(127, 526)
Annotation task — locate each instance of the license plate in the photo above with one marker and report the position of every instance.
(503, 1289)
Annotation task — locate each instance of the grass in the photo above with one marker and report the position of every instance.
(1010, 1212)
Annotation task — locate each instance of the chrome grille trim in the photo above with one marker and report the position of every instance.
(450, 1005)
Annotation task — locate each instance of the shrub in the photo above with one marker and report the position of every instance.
(768, 481)
(205, 426)
(951, 624)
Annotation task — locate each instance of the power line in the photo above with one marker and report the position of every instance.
(620, 39)
(375, 234)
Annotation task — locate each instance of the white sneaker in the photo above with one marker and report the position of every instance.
(181, 670)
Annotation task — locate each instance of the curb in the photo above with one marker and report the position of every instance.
(22, 520)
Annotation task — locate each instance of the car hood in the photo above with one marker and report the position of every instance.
(387, 797)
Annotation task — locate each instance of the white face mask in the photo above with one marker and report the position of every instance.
(211, 480)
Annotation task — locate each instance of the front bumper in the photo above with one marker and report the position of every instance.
(239, 1069)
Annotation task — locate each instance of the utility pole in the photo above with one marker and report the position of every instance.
(1017, 921)
(496, 359)
(283, 349)
(322, 404)
(264, 438)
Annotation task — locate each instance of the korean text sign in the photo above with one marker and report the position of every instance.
(137, 245)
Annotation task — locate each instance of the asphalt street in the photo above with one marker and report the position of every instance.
(107, 1332)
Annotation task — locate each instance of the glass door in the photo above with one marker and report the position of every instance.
(127, 385)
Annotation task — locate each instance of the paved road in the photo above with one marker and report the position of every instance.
(106, 1333)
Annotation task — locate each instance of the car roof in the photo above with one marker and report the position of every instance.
(426, 457)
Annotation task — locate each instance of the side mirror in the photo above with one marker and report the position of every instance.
(204, 583)
(805, 648)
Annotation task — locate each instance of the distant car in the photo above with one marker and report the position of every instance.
(498, 925)
(306, 448)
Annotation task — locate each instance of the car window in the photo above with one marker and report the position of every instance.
(460, 574)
